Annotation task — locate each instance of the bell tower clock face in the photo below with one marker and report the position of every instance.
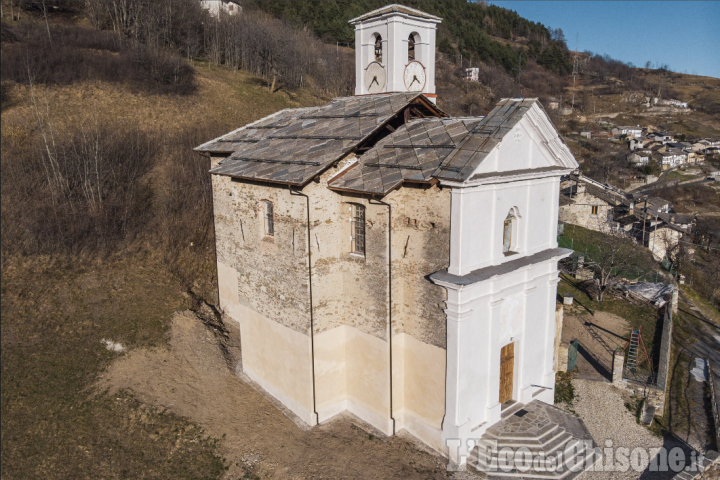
(414, 76)
(375, 78)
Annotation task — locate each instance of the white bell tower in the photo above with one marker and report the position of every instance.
(395, 51)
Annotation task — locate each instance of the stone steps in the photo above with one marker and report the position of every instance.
(544, 432)
(569, 469)
(510, 409)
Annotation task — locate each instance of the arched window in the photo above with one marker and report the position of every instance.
(268, 218)
(510, 233)
(378, 48)
(358, 229)
(411, 47)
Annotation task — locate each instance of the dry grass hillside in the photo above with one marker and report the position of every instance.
(75, 319)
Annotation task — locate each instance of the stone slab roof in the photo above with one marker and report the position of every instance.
(488, 133)
(423, 150)
(410, 154)
(293, 146)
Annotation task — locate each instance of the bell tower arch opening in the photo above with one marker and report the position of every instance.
(395, 51)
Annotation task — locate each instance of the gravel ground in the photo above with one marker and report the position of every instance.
(601, 407)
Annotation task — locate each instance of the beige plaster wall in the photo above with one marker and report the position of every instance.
(279, 360)
(351, 369)
(421, 408)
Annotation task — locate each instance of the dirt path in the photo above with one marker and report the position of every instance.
(598, 337)
(192, 379)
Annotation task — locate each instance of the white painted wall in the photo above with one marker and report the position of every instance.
(518, 307)
(395, 28)
(478, 211)
(515, 307)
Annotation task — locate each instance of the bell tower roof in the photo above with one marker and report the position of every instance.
(395, 8)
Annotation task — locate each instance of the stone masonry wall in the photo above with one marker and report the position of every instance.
(260, 261)
(348, 289)
(580, 212)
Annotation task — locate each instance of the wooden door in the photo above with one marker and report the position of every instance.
(507, 362)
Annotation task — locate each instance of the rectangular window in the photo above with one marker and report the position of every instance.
(594, 210)
(269, 220)
(358, 229)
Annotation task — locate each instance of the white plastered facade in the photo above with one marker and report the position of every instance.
(515, 305)
(394, 29)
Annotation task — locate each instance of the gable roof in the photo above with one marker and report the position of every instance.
(490, 131)
(293, 146)
(449, 149)
(412, 153)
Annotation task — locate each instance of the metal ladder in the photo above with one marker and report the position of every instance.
(632, 359)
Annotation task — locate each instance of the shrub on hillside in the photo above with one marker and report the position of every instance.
(71, 54)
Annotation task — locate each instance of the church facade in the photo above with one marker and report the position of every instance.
(384, 259)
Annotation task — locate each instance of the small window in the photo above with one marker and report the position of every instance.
(508, 233)
(594, 210)
(378, 48)
(269, 219)
(358, 229)
(411, 47)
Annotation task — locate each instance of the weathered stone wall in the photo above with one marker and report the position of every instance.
(665, 351)
(580, 212)
(261, 260)
(421, 246)
(263, 283)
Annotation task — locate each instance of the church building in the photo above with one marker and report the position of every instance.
(384, 259)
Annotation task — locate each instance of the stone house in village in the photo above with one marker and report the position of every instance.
(639, 157)
(384, 259)
(590, 204)
(648, 220)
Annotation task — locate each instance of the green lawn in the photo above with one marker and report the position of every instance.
(676, 175)
(584, 241)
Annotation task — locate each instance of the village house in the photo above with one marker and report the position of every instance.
(590, 204)
(386, 260)
(214, 7)
(695, 158)
(634, 132)
(671, 158)
(472, 74)
(664, 231)
(648, 220)
(640, 157)
(638, 143)
(663, 137)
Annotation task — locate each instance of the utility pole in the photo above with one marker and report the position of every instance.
(644, 215)
(654, 236)
(575, 72)
(519, 70)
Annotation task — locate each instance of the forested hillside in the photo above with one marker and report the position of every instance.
(466, 29)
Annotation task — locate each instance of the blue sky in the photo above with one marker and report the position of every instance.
(684, 35)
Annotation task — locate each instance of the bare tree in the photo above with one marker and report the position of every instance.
(612, 253)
